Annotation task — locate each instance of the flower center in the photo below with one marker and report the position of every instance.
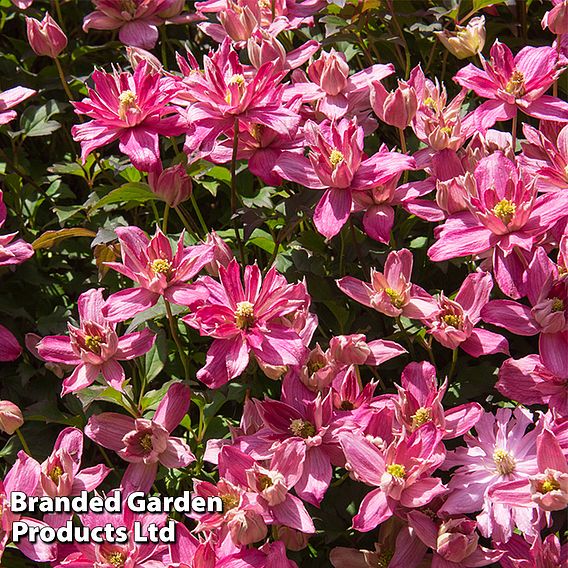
(504, 462)
(244, 315)
(453, 320)
(55, 474)
(146, 443)
(430, 103)
(315, 366)
(446, 130)
(516, 84)
(396, 470)
(264, 482)
(236, 79)
(117, 559)
(229, 502)
(128, 6)
(93, 343)
(505, 210)
(161, 266)
(384, 558)
(557, 305)
(256, 131)
(347, 405)
(395, 297)
(335, 158)
(128, 101)
(302, 428)
(421, 416)
(549, 485)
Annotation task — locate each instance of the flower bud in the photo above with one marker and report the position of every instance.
(452, 194)
(549, 490)
(136, 55)
(457, 539)
(222, 254)
(171, 9)
(330, 72)
(556, 20)
(240, 24)
(46, 37)
(318, 372)
(247, 527)
(349, 349)
(466, 41)
(263, 47)
(173, 184)
(397, 108)
(10, 417)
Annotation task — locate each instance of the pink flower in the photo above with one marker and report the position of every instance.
(145, 443)
(337, 164)
(501, 451)
(11, 98)
(11, 417)
(420, 401)
(401, 474)
(94, 347)
(173, 185)
(12, 251)
(514, 83)
(46, 37)
(133, 109)
(10, 349)
(453, 325)
(547, 553)
(244, 319)
(528, 381)
(61, 473)
(396, 108)
(556, 19)
(391, 292)
(548, 316)
(152, 264)
(227, 92)
(222, 254)
(22, 476)
(137, 20)
(505, 216)
(455, 542)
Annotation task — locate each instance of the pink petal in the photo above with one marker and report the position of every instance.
(378, 221)
(127, 303)
(113, 373)
(553, 349)
(375, 508)
(549, 453)
(108, 429)
(173, 407)
(356, 289)
(422, 492)
(134, 345)
(226, 359)
(316, 476)
(139, 477)
(142, 147)
(89, 478)
(511, 315)
(138, 33)
(332, 211)
(292, 513)
(83, 376)
(57, 349)
(177, 454)
(10, 349)
(484, 342)
(461, 419)
(365, 458)
(548, 108)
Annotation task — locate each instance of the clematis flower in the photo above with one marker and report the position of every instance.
(244, 319)
(391, 292)
(137, 20)
(23, 476)
(503, 450)
(173, 184)
(528, 381)
(10, 349)
(513, 84)
(419, 402)
(12, 251)
(94, 347)
(548, 488)
(548, 316)
(11, 98)
(556, 19)
(337, 164)
(131, 108)
(61, 473)
(145, 443)
(504, 218)
(466, 41)
(396, 108)
(453, 324)
(547, 553)
(227, 92)
(401, 474)
(152, 264)
(455, 541)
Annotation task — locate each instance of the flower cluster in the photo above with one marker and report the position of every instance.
(325, 284)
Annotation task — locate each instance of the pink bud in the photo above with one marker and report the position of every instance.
(452, 194)
(222, 254)
(239, 25)
(397, 108)
(330, 72)
(247, 527)
(466, 41)
(136, 55)
(263, 47)
(556, 20)
(318, 373)
(171, 9)
(173, 184)
(10, 417)
(457, 539)
(349, 349)
(46, 37)
(10, 349)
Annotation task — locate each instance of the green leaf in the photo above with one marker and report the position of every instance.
(131, 191)
(480, 4)
(35, 121)
(156, 358)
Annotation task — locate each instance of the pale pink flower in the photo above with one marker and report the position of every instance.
(222, 254)
(465, 41)
(246, 319)
(453, 324)
(391, 292)
(156, 268)
(94, 347)
(11, 417)
(11, 98)
(131, 108)
(145, 443)
(503, 450)
(513, 84)
(401, 474)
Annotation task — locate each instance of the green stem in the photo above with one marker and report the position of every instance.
(23, 442)
(183, 220)
(198, 213)
(407, 336)
(63, 80)
(177, 339)
(165, 219)
(234, 189)
(454, 362)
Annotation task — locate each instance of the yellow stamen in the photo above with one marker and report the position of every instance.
(117, 559)
(557, 305)
(128, 101)
(504, 462)
(335, 158)
(549, 485)
(264, 482)
(93, 343)
(146, 443)
(230, 501)
(421, 416)
(505, 210)
(161, 266)
(397, 470)
(55, 474)
(302, 428)
(453, 320)
(244, 315)
(395, 297)
(516, 84)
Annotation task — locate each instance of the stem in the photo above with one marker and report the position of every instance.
(407, 336)
(23, 442)
(63, 80)
(177, 339)
(165, 219)
(183, 220)
(134, 409)
(234, 189)
(198, 213)
(514, 133)
(454, 361)
(59, 14)
(402, 140)
(402, 37)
